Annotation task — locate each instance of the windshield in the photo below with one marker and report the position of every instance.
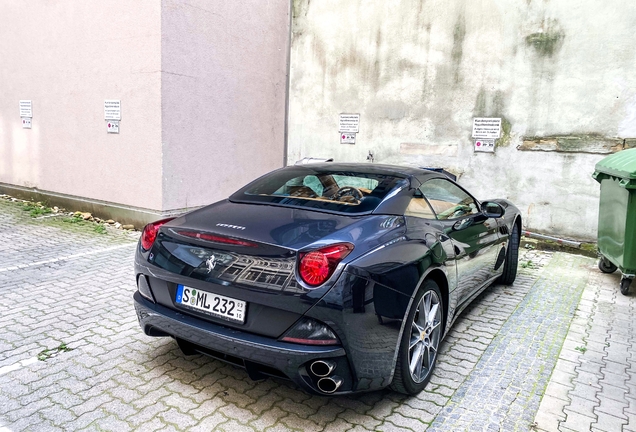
(342, 191)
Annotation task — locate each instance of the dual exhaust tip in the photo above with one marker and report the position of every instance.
(323, 369)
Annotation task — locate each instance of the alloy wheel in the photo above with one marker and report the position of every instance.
(425, 336)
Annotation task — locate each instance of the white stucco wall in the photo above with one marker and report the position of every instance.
(418, 72)
(202, 86)
(67, 57)
(224, 67)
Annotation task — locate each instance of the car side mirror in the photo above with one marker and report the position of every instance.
(462, 224)
(492, 209)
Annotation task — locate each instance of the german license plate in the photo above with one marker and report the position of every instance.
(212, 304)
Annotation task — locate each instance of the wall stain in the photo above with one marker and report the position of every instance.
(381, 109)
(549, 40)
(300, 7)
(427, 49)
(459, 34)
(378, 38)
(480, 104)
(506, 127)
(418, 16)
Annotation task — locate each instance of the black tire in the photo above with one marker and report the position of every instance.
(625, 283)
(606, 266)
(512, 259)
(403, 380)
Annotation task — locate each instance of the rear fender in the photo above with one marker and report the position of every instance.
(368, 314)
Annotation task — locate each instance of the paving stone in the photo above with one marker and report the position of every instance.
(612, 392)
(612, 407)
(549, 421)
(585, 391)
(609, 423)
(582, 406)
(614, 380)
(615, 368)
(577, 422)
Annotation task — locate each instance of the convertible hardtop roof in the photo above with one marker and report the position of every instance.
(401, 171)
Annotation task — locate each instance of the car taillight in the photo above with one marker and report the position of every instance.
(149, 234)
(317, 266)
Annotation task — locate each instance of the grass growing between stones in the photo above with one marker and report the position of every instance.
(36, 209)
(48, 353)
(100, 229)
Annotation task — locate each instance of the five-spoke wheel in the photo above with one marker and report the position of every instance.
(425, 336)
(423, 330)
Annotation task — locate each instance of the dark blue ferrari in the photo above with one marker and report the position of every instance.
(340, 277)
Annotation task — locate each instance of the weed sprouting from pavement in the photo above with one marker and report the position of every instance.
(48, 353)
(582, 349)
(528, 264)
(35, 209)
(100, 229)
(74, 220)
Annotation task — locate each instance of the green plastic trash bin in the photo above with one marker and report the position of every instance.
(617, 215)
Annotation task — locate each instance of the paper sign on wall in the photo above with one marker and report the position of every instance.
(347, 138)
(349, 123)
(112, 126)
(26, 110)
(485, 145)
(112, 109)
(485, 127)
(26, 122)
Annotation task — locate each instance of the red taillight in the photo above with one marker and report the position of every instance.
(149, 234)
(317, 266)
(216, 238)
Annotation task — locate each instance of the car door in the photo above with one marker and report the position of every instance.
(474, 236)
(424, 227)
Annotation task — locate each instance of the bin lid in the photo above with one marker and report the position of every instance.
(621, 165)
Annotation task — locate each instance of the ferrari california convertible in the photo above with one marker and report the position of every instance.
(340, 277)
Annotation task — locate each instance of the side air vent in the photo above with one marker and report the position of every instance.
(504, 230)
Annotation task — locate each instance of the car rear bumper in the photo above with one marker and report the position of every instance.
(258, 354)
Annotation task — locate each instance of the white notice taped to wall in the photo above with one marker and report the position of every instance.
(26, 122)
(347, 138)
(485, 145)
(112, 109)
(487, 127)
(26, 109)
(349, 123)
(112, 126)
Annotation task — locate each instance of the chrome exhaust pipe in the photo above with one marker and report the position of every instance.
(322, 368)
(329, 384)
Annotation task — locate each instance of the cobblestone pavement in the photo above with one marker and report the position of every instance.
(593, 386)
(64, 286)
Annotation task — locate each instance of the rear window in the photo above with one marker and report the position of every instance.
(321, 189)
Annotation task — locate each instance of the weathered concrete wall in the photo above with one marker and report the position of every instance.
(224, 68)
(559, 74)
(67, 57)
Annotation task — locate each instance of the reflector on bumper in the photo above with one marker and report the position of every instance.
(144, 288)
(311, 332)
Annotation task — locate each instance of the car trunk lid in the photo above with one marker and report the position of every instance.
(232, 250)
